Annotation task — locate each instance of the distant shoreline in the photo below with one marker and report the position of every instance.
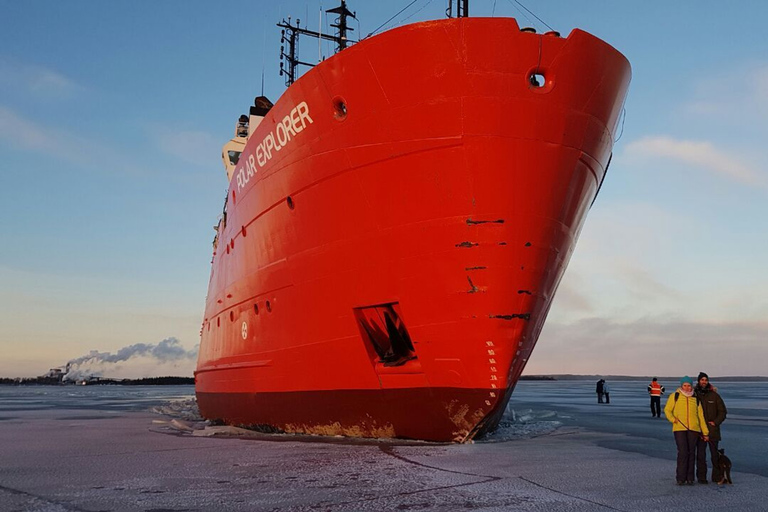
(187, 381)
(150, 381)
(676, 378)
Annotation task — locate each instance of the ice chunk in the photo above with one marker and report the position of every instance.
(183, 409)
(523, 424)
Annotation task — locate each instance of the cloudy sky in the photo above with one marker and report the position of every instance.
(112, 115)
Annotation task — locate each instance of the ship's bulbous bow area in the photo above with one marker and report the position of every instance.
(387, 272)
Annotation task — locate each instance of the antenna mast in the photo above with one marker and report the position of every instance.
(462, 9)
(289, 35)
(341, 24)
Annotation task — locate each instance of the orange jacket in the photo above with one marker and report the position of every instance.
(655, 389)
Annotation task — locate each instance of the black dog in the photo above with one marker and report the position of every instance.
(725, 467)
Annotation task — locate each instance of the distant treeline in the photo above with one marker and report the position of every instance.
(52, 381)
(537, 377)
(34, 381)
(149, 381)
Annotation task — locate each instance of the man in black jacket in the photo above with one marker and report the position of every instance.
(714, 413)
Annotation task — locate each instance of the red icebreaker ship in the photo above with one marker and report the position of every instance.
(396, 227)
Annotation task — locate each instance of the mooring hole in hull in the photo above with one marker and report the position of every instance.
(385, 334)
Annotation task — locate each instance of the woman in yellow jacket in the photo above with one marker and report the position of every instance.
(688, 425)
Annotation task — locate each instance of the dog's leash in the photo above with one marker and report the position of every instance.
(683, 424)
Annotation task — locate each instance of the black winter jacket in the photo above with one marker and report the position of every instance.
(714, 409)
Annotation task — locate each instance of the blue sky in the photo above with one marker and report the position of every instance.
(112, 116)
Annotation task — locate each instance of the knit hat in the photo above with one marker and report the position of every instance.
(702, 375)
(654, 379)
(686, 379)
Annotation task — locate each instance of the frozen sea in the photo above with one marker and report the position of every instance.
(115, 448)
(574, 403)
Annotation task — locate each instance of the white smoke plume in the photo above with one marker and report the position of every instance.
(167, 358)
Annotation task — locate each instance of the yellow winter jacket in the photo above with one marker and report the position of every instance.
(688, 413)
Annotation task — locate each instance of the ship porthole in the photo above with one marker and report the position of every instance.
(289, 200)
(242, 230)
(218, 322)
(256, 308)
(231, 316)
(269, 307)
(339, 108)
(233, 197)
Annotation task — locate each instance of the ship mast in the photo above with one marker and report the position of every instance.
(341, 24)
(462, 9)
(289, 36)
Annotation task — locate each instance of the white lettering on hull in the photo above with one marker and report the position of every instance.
(285, 130)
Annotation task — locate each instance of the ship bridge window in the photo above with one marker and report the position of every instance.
(384, 331)
(234, 156)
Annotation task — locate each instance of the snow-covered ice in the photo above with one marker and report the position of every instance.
(103, 448)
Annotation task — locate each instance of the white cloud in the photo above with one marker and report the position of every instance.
(22, 134)
(702, 154)
(190, 146)
(569, 296)
(651, 345)
(761, 89)
(636, 259)
(643, 285)
(736, 97)
(618, 263)
(38, 80)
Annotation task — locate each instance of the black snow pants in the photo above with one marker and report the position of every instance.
(656, 406)
(701, 460)
(686, 454)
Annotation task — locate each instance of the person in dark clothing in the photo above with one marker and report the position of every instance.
(655, 390)
(714, 414)
(599, 390)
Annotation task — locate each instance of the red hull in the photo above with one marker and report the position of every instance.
(449, 187)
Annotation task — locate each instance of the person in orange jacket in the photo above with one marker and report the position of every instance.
(655, 390)
(684, 411)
